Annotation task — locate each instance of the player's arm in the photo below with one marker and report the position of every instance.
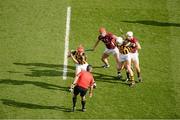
(91, 91)
(127, 43)
(138, 45)
(71, 54)
(76, 79)
(91, 88)
(97, 42)
(74, 83)
(85, 58)
(73, 58)
(114, 36)
(123, 36)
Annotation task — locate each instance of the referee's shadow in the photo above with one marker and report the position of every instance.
(40, 84)
(18, 104)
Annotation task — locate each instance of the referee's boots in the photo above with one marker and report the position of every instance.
(84, 109)
(73, 109)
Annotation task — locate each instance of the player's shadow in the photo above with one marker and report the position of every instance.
(97, 67)
(17, 104)
(35, 83)
(57, 66)
(44, 69)
(109, 78)
(154, 23)
(105, 78)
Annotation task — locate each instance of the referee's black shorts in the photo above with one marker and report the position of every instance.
(82, 91)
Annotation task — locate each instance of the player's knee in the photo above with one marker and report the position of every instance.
(128, 68)
(138, 70)
(137, 67)
(105, 55)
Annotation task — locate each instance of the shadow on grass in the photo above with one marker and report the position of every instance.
(98, 67)
(108, 78)
(48, 73)
(45, 65)
(35, 83)
(56, 70)
(154, 23)
(17, 104)
(35, 72)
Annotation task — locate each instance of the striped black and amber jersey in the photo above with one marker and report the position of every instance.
(82, 59)
(124, 48)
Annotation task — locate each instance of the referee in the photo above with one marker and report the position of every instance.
(82, 82)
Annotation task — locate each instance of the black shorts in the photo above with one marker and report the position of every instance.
(82, 91)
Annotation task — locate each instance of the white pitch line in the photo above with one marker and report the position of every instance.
(66, 45)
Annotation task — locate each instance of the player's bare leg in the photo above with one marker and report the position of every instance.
(137, 67)
(121, 67)
(127, 74)
(105, 60)
(118, 64)
(78, 70)
(127, 71)
(128, 66)
(83, 103)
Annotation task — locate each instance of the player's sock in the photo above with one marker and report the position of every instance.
(74, 101)
(119, 75)
(139, 76)
(127, 74)
(132, 78)
(83, 102)
(132, 84)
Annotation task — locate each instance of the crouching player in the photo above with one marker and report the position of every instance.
(125, 59)
(82, 82)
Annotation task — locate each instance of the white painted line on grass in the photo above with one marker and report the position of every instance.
(66, 45)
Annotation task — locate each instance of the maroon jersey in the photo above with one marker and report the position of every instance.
(134, 48)
(108, 40)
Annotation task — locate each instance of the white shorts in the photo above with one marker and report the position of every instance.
(112, 51)
(80, 67)
(125, 57)
(134, 57)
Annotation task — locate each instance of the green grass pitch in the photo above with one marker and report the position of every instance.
(32, 52)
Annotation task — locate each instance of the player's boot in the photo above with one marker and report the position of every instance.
(127, 79)
(132, 83)
(119, 76)
(84, 109)
(106, 66)
(127, 76)
(140, 79)
(73, 109)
